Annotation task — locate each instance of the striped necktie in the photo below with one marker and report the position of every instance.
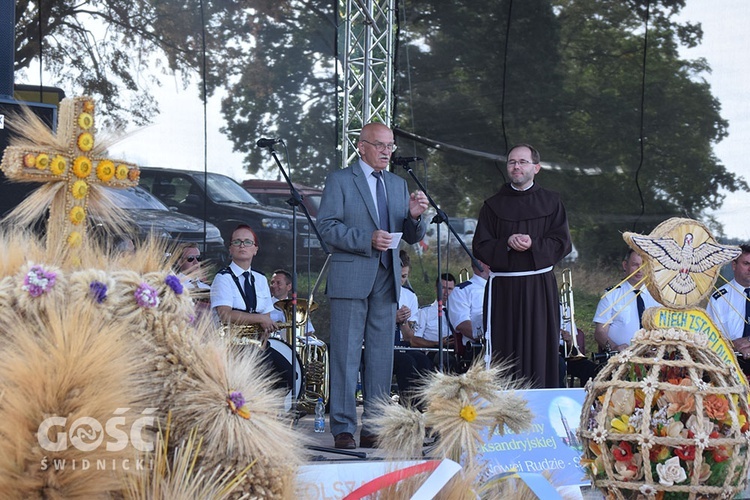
(385, 257)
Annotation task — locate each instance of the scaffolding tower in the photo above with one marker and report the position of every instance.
(367, 69)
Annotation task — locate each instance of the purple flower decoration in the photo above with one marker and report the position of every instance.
(38, 281)
(174, 283)
(146, 296)
(237, 405)
(237, 398)
(99, 291)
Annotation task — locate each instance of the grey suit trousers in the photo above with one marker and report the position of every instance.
(370, 319)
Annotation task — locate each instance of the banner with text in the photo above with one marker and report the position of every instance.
(550, 445)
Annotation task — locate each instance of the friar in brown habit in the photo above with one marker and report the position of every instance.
(522, 232)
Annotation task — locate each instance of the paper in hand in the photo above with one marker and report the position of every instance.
(395, 241)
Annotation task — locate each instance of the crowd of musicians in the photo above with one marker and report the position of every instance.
(509, 310)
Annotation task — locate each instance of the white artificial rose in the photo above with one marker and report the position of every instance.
(671, 472)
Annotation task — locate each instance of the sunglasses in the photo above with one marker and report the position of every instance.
(191, 258)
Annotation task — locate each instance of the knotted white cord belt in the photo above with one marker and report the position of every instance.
(488, 331)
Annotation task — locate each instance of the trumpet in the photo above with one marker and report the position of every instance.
(568, 315)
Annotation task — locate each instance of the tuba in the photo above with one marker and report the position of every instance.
(568, 315)
(312, 352)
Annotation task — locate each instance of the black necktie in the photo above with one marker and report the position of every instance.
(251, 300)
(746, 331)
(641, 307)
(382, 212)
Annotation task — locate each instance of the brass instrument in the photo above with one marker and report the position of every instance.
(568, 315)
(312, 352)
(463, 275)
(246, 334)
(296, 321)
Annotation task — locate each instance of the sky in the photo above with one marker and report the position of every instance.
(726, 47)
(176, 138)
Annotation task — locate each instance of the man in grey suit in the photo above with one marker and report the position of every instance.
(362, 205)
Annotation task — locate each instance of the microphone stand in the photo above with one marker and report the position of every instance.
(295, 201)
(440, 217)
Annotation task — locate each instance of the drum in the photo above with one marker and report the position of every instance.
(287, 352)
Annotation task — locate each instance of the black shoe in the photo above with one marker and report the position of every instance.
(344, 441)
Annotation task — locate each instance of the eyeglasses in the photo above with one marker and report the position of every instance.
(520, 163)
(240, 243)
(380, 146)
(192, 258)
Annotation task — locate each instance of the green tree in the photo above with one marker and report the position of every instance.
(565, 75)
(273, 59)
(573, 87)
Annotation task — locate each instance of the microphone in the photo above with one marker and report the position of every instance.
(264, 143)
(405, 160)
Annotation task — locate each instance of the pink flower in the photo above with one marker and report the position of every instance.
(680, 401)
(716, 406)
(146, 296)
(38, 281)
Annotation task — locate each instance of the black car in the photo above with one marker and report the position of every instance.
(152, 216)
(224, 202)
(148, 213)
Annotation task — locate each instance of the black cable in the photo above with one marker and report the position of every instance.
(204, 92)
(41, 32)
(505, 76)
(394, 93)
(643, 112)
(337, 86)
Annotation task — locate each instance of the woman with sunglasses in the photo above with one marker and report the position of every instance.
(189, 268)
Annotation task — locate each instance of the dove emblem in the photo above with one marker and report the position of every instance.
(683, 260)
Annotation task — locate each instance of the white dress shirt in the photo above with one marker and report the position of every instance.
(224, 291)
(409, 299)
(427, 323)
(726, 308)
(625, 312)
(466, 303)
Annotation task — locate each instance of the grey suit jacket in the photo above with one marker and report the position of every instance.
(347, 218)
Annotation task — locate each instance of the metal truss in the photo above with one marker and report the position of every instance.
(368, 69)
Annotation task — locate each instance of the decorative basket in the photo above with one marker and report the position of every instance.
(667, 418)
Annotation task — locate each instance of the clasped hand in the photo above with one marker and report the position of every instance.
(519, 242)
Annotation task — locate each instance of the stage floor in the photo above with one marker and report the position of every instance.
(325, 453)
(325, 440)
